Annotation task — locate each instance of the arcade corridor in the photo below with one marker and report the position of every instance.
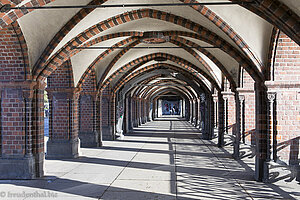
(160, 160)
(150, 99)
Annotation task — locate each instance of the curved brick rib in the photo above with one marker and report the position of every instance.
(176, 40)
(188, 72)
(147, 58)
(102, 56)
(210, 37)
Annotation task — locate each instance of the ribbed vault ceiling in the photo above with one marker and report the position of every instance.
(245, 33)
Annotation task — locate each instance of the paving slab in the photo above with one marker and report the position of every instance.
(164, 160)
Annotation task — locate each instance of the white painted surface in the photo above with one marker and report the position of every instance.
(255, 31)
(82, 60)
(40, 26)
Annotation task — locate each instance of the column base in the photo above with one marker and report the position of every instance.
(261, 170)
(205, 136)
(298, 173)
(62, 149)
(89, 139)
(107, 134)
(39, 164)
(18, 168)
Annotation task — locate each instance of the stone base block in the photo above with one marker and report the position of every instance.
(89, 139)
(62, 149)
(261, 170)
(39, 164)
(107, 134)
(298, 174)
(18, 168)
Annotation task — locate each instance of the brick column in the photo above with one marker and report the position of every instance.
(211, 118)
(239, 99)
(88, 134)
(138, 111)
(154, 109)
(143, 103)
(106, 104)
(196, 112)
(22, 132)
(199, 113)
(205, 116)
(134, 112)
(215, 99)
(271, 131)
(148, 105)
(225, 114)
(191, 110)
(221, 115)
(98, 117)
(63, 123)
(261, 167)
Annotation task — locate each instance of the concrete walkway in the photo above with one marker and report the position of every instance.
(160, 160)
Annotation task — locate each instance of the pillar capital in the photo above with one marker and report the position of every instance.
(63, 93)
(241, 98)
(271, 96)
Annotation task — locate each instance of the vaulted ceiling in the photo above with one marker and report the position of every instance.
(241, 36)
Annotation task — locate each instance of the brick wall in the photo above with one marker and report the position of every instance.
(231, 114)
(287, 61)
(12, 102)
(87, 96)
(86, 113)
(105, 107)
(63, 122)
(11, 57)
(89, 84)
(12, 118)
(287, 82)
(62, 77)
(249, 108)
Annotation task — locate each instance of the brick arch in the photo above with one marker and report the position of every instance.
(173, 34)
(210, 37)
(13, 48)
(167, 91)
(11, 2)
(83, 12)
(7, 18)
(272, 51)
(10, 17)
(152, 68)
(24, 49)
(129, 75)
(147, 58)
(290, 24)
(155, 92)
(222, 25)
(149, 80)
(147, 93)
(102, 55)
(140, 91)
(179, 40)
(192, 52)
(199, 58)
(116, 58)
(235, 54)
(63, 32)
